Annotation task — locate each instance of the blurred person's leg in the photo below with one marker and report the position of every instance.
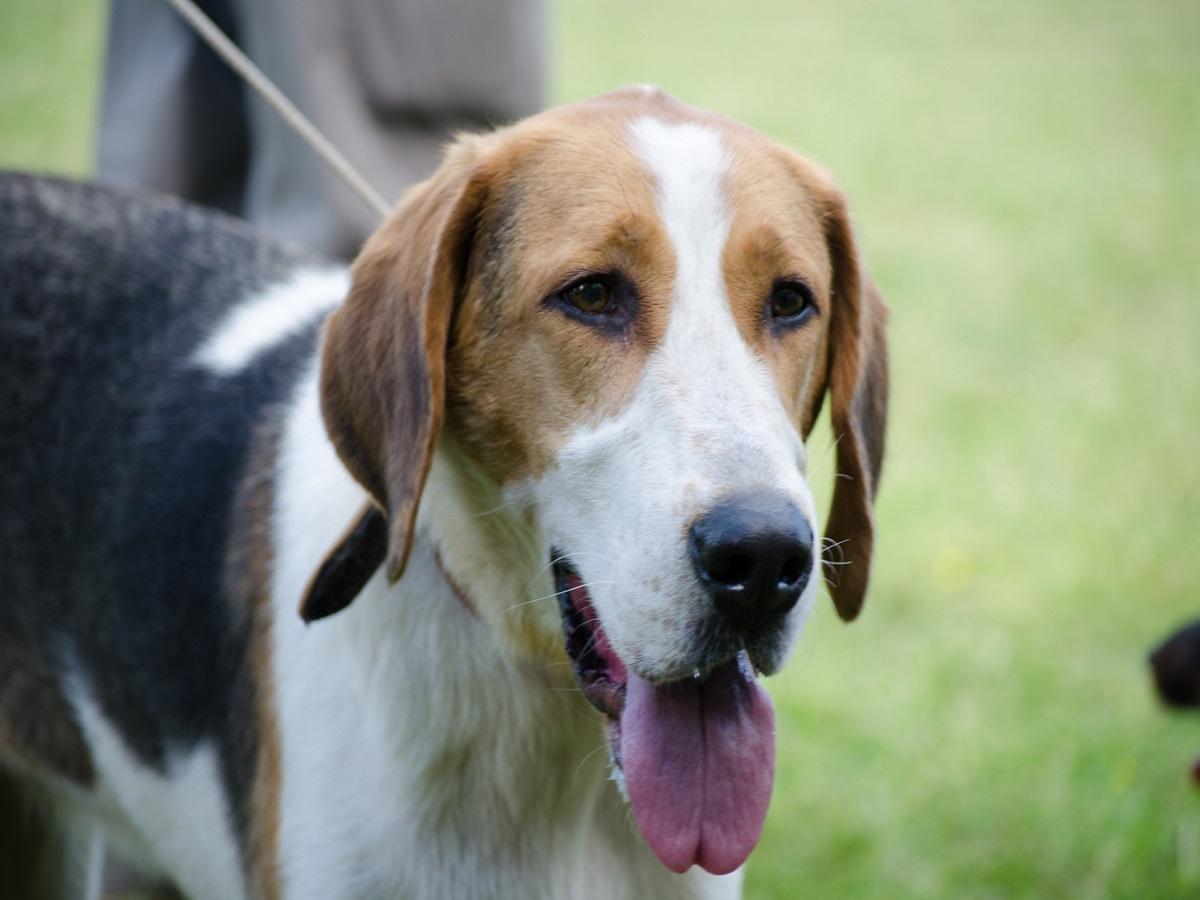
(173, 115)
(386, 80)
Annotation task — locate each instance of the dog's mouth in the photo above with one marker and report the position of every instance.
(697, 756)
(600, 672)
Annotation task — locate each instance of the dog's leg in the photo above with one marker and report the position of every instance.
(41, 855)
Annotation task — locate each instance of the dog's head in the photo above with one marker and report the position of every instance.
(626, 313)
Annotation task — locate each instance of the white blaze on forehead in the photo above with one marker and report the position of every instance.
(713, 376)
(689, 163)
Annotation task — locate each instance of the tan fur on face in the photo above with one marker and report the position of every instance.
(522, 374)
(776, 234)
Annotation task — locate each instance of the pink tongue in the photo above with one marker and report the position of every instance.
(699, 761)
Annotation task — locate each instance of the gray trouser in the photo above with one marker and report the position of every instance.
(386, 81)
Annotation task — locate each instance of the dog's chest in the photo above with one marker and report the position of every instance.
(455, 770)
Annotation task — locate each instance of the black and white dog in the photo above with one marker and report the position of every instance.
(563, 391)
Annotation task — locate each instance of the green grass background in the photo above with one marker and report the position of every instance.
(1026, 182)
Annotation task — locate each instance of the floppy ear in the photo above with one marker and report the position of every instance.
(383, 371)
(858, 388)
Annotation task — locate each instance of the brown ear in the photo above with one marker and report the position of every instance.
(858, 389)
(383, 370)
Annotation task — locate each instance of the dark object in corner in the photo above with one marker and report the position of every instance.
(1176, 666)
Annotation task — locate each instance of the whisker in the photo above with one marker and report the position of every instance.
(564, 558)
(555, 594)
(579, 767)
(829, 548)
(832, 574)
(504, 504)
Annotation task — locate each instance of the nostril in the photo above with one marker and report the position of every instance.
(730, 567)
(793, 571)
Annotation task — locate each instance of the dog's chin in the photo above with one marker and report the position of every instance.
(693, 755)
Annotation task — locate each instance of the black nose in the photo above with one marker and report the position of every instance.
(753, 554)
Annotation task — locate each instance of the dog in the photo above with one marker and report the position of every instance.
(450, 576)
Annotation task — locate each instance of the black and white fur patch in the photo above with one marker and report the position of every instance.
(121, 457)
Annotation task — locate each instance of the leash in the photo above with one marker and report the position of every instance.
(253, 75)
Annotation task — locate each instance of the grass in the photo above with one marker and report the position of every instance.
(1025, 184)
(50, 60)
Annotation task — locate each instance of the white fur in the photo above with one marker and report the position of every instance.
(174, 822)
(423, 755)
(265, 320)
(706, 421)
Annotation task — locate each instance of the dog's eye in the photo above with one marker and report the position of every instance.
(791, 303)
(591, 297)
(605, 301)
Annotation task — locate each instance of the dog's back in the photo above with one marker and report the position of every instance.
(121, 454)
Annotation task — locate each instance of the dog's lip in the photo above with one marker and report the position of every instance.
(600, 672)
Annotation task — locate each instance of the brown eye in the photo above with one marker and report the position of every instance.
(592, 298)
(606, 301)
(791, 303)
